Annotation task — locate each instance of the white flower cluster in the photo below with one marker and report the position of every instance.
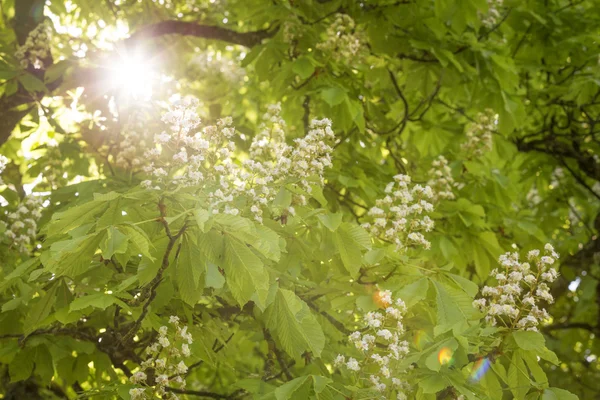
(492, 17)
(291, 29)
(270, 139)
(343, 42)
(479, 134)
(36, 46)
(213, 64)
(533, 197)
(381, 348)
(400, 216)
(277, 162)
(441, 181)
(133, 141)
(165, 358)
(557, 176)
(178, 156)
(22, 223)
(514, 301)
(206, 158)
(3, 162)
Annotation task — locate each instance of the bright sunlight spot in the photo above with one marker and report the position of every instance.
(133, 76)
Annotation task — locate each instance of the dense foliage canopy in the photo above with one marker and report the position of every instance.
(299, 199)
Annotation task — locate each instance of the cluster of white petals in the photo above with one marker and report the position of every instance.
(381, 349)
(401, 216)
(213, 64)
(441, 180)
(3, 162)
(479, 134)
(165, 360)
(291, 29)
(268, 141)
(556, 177)
(514, 301)
(533, 197)
(133, 141)
(492, 17)
(184, 156)
(21, 229)
(181, 156)
(343, 42)
(36, 46)
(275, 162)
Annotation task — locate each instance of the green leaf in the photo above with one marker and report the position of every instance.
(41, 309)
(96, 300)
(331, 220)
(432, 384)
(261, 238)
(244, 272)
(292, 323)
(528, 340)
(518, 378)
(333, 96)
(453, 307)
(114, 242)
(201, 215)
(56, 70)
(138, 239)
(214, 278)
(32, 84)
(73, 257)
(558, 394)
(350, 241)
(21, 366)
(287, 391)
(537, 372)
(303, 67)
(75, 216)
(112, 216)
(413, 293)
(190, 270)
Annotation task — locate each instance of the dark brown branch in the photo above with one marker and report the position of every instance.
(337, 324)
(185, 28)
(149, 290)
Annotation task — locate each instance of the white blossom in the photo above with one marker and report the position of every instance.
(400, 216)
(36, 47)
(343, 42)
(379, 343)
(514, 300)
(441, 181)
(479, 134)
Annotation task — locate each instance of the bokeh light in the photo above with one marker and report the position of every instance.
(133, 76)
(445, 355)
(480, 367)
(380, 299)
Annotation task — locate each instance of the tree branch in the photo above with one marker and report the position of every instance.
(185, 28)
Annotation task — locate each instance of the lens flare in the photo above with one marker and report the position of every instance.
(419, 339)
(445, 355)
(480, 367)
(380, 299)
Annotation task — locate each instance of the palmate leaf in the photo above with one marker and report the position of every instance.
(261, 238)
(518, 378)
(350, 241)
(75, 216)
(292, 323)
(245, 273)
(73, 257)
(454, 307)
(190, 270)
